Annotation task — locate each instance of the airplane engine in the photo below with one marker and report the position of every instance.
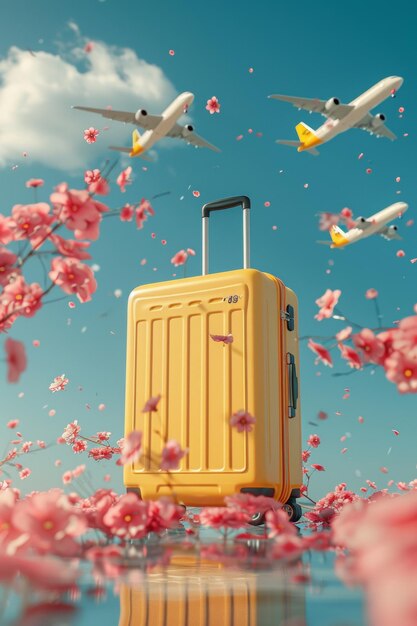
(331, 104)
(361, 220)
(140, 114)
(392, 229)
(187, 129)
(378, 120)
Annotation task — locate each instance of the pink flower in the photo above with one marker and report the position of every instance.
(123, 179)
(78, 210)
(191, 252)
(151, 404)
(163, 515)
(223, 338)
(22, 298)
(69, 247)
(250, 504)
(322, 353)
(71, 432)
(132, 447)
(7, 261)
(26, 446)
(80, 469)
(142, 211)
(31, 221)
(90, 134)
(103, 436)
(8, 532)
(327, 302)
(66, 478)
(213, 105)
(73, 277)
(128, 518)
(35, 182)
(126, 213)
(344, 334)
(179, 258)
(92, 176)
(59, 383)
(327, 220)
(313, 441)
(350, 355)
(50, 521)
(25, 473)
(371, 294)
(347, 213)
(405, 338)
(402, 370)
(221, 517)
(80, 445)
(373, 348)
(172, 454)
(12, 423)
(6, 229)
(16, 363)
(99, 454)
(318, 467)
(387, 337)
(243, 421)
(100, 187)
(278, 523)
(305, 455)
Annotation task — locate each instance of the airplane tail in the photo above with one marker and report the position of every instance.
(338, 236)
(135, 139)
(304, 132)
(297, 144)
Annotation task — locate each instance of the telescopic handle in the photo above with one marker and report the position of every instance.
(221, 205)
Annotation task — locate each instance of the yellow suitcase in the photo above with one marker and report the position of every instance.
(202, 382)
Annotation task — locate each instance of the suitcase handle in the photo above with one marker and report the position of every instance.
(220, 205)
(292, 385)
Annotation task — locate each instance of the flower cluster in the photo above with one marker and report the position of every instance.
(393, 349)
(381, 538)
(329, 507)
(33, 227)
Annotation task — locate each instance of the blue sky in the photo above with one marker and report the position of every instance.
(301, 49)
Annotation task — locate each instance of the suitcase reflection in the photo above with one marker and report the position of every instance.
(206, 593)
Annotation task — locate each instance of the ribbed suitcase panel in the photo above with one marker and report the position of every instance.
(202, 383)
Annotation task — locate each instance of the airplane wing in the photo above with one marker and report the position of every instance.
(362, 224)
(314, 105)
(180, 132)
(388, 233)
(380, 131)
(148, 122)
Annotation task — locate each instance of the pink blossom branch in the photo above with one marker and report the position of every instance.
(16, 311)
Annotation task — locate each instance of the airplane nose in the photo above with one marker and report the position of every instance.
(188, 97)
(397, 81)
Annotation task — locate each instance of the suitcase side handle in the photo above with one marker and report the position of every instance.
(292, 385)
(220, 205)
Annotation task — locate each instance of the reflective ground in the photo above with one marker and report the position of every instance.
(177, 582)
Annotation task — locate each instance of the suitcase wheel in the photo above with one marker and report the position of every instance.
(293, 509)
(257, 520)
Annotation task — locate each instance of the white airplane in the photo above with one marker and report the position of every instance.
(342, 117)
(375, 225)
(156, 126)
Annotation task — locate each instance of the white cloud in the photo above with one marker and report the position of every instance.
(36, 94)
